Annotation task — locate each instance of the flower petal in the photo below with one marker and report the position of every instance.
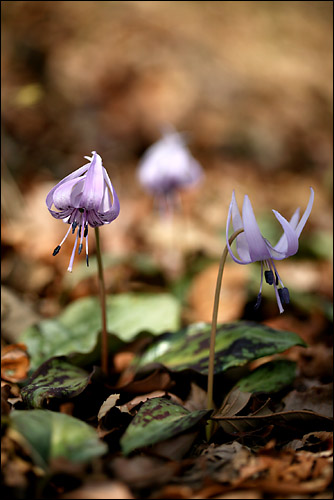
(256, 243)
(66, 195)
(306, 214)
(290, 242)
(92, 193)
(242, 245)
(282, 243)
(77, 173)
(227, 238)
(110, 215)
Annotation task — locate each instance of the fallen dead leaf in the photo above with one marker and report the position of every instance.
(100, 490)
(17, 314)
(143, 471)
(232, 298)
(317, 398)
(14, 362)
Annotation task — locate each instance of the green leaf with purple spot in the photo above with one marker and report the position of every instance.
(56, 378)
(270, 377)
(159, 419)
(237, 343)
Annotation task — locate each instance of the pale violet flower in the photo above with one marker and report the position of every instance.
(168, 166)
(84, 198)
(253, 247)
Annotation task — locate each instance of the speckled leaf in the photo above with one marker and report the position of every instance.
(76, 329)
(269, 377)
(55, 378)
(51, 435)
(236, 344)
(158, 419)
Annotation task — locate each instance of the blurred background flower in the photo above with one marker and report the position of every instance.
(168, 167)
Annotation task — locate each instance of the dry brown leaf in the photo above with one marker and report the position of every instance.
(100, 489)
(176, 447)
(232, 298)
(143, 471)
(17, 314)
(140, 399)
(316, 398)
(159, 380)
(109, 403)
(287, 473)
(313, 440)
(197, 398)
(14, 362)
(252, 494)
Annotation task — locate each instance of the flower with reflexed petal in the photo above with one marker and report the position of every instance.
(84, 198)
(168, 166)
(253, 247)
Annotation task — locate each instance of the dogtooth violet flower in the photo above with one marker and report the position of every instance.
(253, 247)
(168, 166)
(84, 198)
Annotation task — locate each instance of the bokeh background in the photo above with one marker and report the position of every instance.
(250, 83)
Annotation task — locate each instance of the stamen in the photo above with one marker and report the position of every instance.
(56, 250)
(258, 301)
(278, 279)
(278, 298)
(73, 253)
(86, 230)
(284, 295)
(81, 233)
(269, 277)
(74, 225)
(261, 283)
(87, 247)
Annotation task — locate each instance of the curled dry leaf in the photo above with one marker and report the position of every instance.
(14, 363)
(158, 380)
(110, 402)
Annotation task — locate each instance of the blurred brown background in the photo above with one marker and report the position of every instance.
(251, 84)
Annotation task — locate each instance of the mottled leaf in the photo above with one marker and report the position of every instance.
(236, 344)
(51, 435)
(158, 419)
(270, 377)
(55, 378)
(76, 329)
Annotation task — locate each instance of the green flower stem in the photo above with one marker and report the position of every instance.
(210, 405)
(104, 333)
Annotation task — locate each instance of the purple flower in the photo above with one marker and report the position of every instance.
(84, 198)
(168, 166)
(252, 246)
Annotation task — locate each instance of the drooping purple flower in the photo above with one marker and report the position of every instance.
(84, 198)
(168, 166)
(253, 247)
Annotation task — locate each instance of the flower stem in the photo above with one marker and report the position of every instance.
(104, 333)
(210, 405)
